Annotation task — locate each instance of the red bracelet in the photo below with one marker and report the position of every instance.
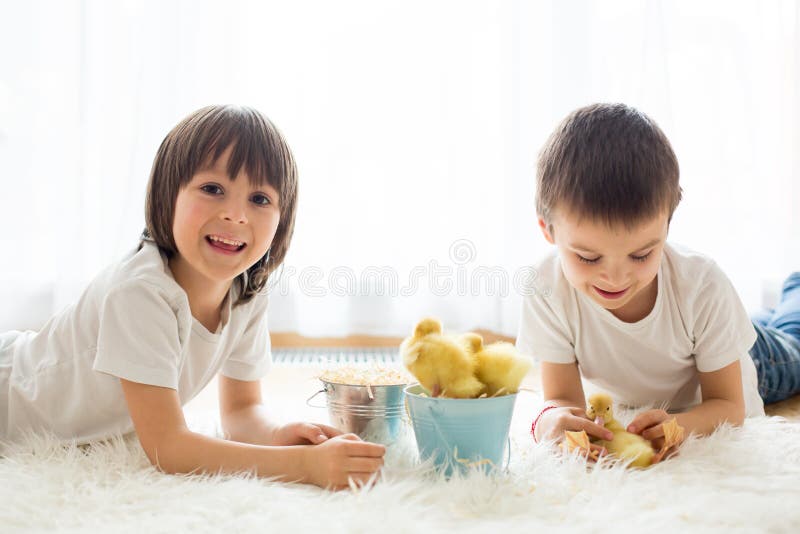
(533, 426)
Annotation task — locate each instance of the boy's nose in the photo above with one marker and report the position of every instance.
(616, 277)
(234, 212)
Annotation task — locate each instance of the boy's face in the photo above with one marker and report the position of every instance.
(222, 226)
(615, 266)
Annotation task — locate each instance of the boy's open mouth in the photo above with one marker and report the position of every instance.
(225, 245)
(610, 294)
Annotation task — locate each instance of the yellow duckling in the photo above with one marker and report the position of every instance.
(624, 445)
(441, 363)
(499, 366)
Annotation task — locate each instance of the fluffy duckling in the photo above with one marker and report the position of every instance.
(624, 444)
(440, 362)
(499, 366)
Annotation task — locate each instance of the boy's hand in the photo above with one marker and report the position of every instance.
(337, 461)
(554, 422)
(303, 434)
(649, 425)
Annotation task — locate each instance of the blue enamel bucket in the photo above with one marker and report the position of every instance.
(460, 433)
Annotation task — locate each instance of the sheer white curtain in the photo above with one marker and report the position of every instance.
(416, 126)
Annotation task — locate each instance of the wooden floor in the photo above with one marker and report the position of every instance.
(790, 408)
(291, 340)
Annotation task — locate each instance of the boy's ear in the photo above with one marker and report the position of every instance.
(546, 231)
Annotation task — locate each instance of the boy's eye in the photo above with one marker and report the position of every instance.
(212, 189)
(260, 199)
(595, 260)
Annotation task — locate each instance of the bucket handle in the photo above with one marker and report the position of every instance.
(451, 449)
(308, 400)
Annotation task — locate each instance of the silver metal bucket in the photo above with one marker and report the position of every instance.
(374, 413)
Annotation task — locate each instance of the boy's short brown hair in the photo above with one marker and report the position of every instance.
(609, 163)
(199, 140)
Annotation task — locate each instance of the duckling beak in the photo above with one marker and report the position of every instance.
(600, 421)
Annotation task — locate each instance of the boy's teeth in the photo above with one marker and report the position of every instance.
(226, 241)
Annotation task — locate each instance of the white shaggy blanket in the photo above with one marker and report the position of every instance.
(738, 480)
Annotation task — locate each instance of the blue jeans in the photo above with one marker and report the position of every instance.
(776, 352)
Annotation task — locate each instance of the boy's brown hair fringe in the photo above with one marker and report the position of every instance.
(609, 163)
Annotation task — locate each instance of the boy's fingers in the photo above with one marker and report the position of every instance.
(637, 424)
(367, 449)
(593, 429)
(312, 433)
(654, 432)
(329, 431)
(646, 420)
(362, 464)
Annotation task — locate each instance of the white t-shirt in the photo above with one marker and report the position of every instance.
(698, 323)
(132, 322)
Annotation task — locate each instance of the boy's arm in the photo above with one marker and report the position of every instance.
(562, 387)
(170, 445)
(173, 448)
(244, 418)
(723, 401)
(241, 418)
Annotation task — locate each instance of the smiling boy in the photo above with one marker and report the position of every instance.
(650, 322)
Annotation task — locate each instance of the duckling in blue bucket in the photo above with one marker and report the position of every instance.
(461, 410)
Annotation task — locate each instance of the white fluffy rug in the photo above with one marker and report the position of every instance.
(738, 480)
